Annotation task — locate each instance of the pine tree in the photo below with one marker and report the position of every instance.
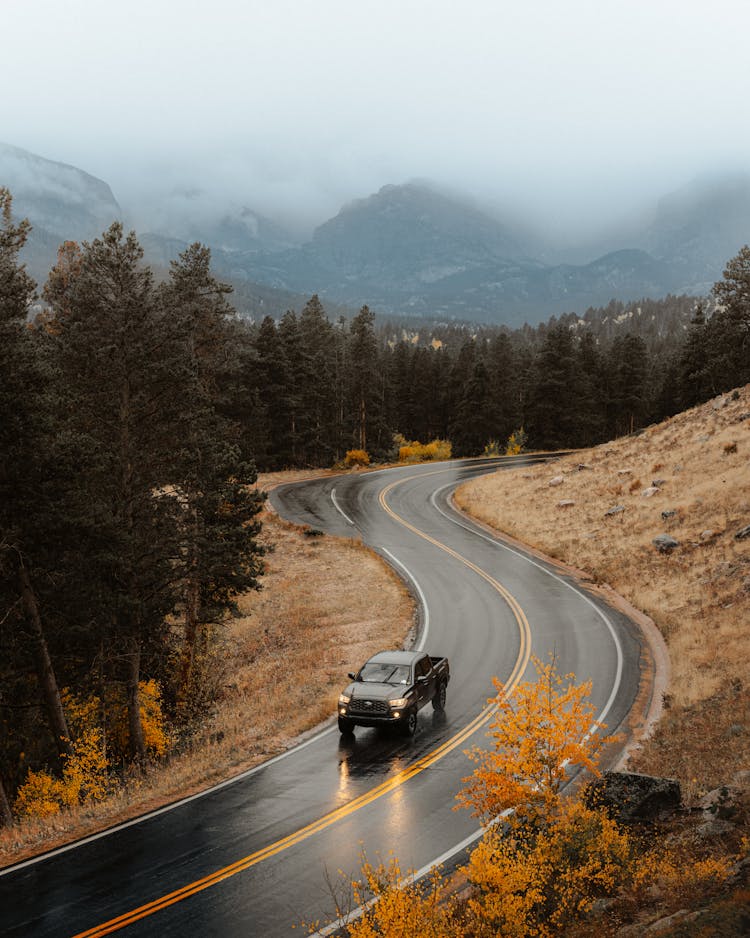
(552, 406)
(729, 332)
(274, 388)
(589, 392)
(365, 383)
(628, 400)
(220, 556)
(318, 383)
(23, 472)
(117, 374)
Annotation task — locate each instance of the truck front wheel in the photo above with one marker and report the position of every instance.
(409, 726)
(346, 726)
(438, 701)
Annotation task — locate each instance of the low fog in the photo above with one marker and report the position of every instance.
(572, 118)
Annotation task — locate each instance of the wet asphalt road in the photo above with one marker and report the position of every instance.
(261, 854)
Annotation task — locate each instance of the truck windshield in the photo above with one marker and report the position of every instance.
(383, 672)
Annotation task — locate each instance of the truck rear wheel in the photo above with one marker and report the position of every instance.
(438, 701)
(346, 727)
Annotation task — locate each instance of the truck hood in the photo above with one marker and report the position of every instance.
(369, 690)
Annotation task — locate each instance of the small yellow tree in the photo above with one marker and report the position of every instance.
(393, 906)
(536, 882)
(543, 727)
(516, 442)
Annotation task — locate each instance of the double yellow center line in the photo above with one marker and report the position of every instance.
(389, 785)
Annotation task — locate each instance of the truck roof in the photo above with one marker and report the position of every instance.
(398, 657)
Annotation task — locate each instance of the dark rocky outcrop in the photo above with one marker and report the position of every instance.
(630, 798)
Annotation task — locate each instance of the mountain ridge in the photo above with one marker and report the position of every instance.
(407, 249)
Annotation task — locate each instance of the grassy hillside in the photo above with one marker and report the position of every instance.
(600, 510)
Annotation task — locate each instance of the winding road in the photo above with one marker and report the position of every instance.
(260, 854)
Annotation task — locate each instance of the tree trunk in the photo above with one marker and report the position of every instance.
(362, 424)
(135, 725)
(43, 663)
(6, 815)
(192, 602)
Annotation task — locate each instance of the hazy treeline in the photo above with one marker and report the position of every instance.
(574, 381)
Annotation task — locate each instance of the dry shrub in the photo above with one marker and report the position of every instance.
(416, 452)
(356, 457)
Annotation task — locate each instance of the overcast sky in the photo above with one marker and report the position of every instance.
(580, 109)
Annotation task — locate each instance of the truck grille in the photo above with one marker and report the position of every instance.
(365, 706)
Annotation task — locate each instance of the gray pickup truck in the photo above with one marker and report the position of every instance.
(391, 688)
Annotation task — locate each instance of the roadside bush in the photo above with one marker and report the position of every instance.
(356, 457)
(416, 452)
(85, 779)
(516, 442)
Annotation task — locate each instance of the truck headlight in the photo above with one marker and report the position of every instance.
(343, 699)
(401, 702)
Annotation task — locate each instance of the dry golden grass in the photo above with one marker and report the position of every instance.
(326, 605)
(698, 594)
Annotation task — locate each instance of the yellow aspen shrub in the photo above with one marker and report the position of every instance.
(86, 770)
(492, 448)
(40, 796)
(395, 906)
(85, 778)
(685, 879)
(414, 452)
(81, 713)
(155, 734)
(540, 728)
(356, 457)
(536, 880)
(443, 449)
(516, 442)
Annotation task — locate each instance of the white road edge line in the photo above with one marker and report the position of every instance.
(422, 599)
(605, 618)
(169, 807)
(339, 509)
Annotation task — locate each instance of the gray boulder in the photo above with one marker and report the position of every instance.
(664, 543)
(630, 798)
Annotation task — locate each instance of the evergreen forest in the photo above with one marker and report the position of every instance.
(136, 411)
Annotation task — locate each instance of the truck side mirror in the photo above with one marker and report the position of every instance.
(352, 677)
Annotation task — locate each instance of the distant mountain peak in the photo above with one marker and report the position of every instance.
(60, 198)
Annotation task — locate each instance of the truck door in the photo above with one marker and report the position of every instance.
(422, 674)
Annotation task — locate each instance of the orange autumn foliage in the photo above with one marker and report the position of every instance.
(356, 457)
(540, 729)
(393, 906)
(84, 780)
(535, 881)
